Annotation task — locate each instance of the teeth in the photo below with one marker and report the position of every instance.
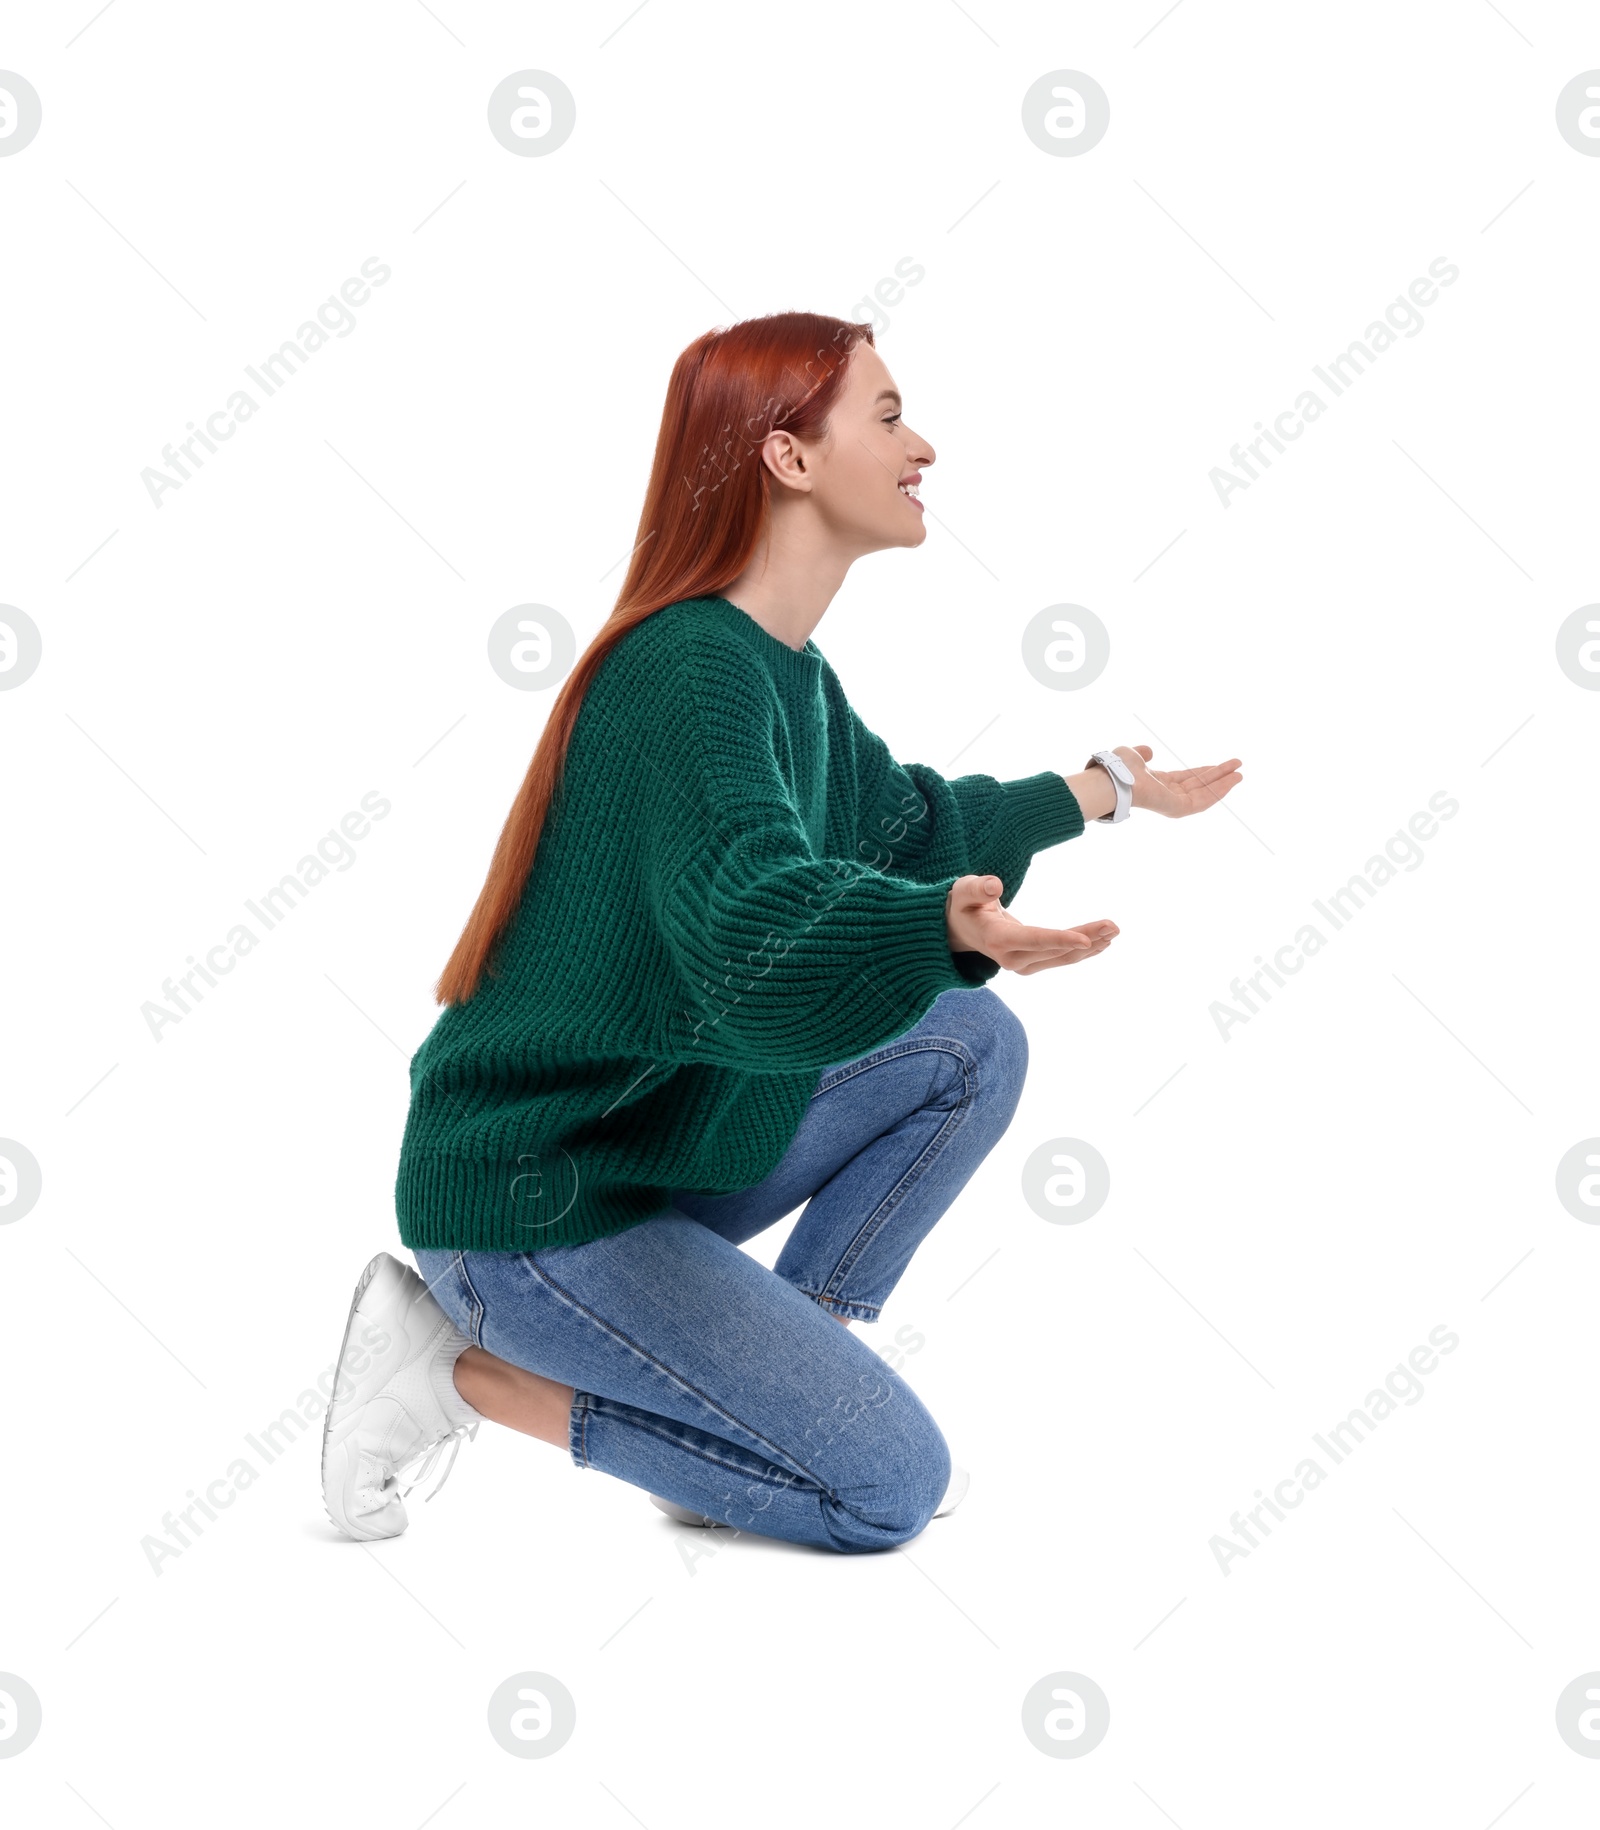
(914, 490)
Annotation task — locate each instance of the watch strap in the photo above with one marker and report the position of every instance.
(1121, 783)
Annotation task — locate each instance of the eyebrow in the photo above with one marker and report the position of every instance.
(890, 394)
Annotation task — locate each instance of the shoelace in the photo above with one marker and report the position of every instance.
(453, 1437)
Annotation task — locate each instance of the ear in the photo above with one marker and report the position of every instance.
(784, 458)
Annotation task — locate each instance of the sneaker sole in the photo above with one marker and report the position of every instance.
(327, 1422)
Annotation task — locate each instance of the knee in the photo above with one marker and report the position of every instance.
(908, 1475)
(1001, 1045)
(919, 1481)
(925, 1484)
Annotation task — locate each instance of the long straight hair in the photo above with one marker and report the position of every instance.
(705, 511)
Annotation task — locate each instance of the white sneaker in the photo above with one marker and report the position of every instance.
(683, 1515)
(954, 1494)
(403, 1406)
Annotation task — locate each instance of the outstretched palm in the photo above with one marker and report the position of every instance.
(1176, 792)
(976, 921)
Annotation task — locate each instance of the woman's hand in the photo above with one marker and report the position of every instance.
(1176, 792)
(976, 923)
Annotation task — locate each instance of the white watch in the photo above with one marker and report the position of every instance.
(1121, 779)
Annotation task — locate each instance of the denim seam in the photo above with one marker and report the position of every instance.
(849, 1069)
(859, 1312)
(784, 1481)
(925, 1159)
(475, 1332)
(666, 1371)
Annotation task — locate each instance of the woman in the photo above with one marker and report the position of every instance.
(729, 959)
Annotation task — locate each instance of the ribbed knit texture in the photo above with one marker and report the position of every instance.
(737, 886)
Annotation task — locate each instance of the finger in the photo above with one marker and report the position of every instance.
(1204, 793)
(1096, 945)
(974, 892)
(1022, 942)
(1034, 961)
(1044, 945)
(1178, 778)
(1070, 958)
(1062, 959)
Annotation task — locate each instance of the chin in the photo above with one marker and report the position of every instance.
(906, 536)
(884, 540)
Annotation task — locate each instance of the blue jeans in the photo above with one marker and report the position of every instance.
(702, 1376)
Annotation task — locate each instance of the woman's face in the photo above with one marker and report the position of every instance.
(861, 472)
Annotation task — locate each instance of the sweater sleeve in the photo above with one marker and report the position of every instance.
(787, 957)
(916, 824)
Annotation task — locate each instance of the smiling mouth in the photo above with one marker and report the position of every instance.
(912, 492)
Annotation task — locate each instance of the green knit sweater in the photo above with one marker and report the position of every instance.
(736, 887)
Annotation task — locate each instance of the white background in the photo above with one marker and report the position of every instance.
(1371, 622)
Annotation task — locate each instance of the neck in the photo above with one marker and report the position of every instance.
(789, 584)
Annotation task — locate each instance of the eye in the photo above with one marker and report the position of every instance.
(893, 419)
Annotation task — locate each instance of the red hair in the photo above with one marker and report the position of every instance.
(705, 511)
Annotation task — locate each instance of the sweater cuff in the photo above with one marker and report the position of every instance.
(1035, 811)
(1040, 810)
(912, 964)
